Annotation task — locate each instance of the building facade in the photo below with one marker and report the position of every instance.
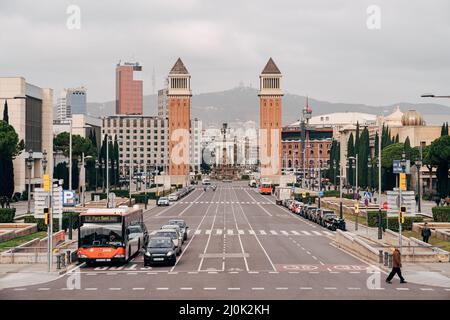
(163, 106)
(71, 101)
(179, 101)
(270, 95)
(142, 141)
(129, 88)
(30, 110)
(196, 145)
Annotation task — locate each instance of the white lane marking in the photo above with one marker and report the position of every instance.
(230, 232)
(138, 289)
(330, 288)
(162, 288)
(284, 232)
(258, 288)
(402, 289)
(251, 232)
(234, 289)
(281, 288)
(115, 289)
(274, 272)
(254, 272)
(262, 232)
(219, 231)
(314, 257)
(241, 231)
(427, 289)
(198, 231)
(264, 209)
(295, 233)
(43, 289)
(132, 273)
(305, 288)
(193, 272)
(350, 288)
(190, 205)
(212, 272)
(354, 272)
(186, 288)
(91, 274)
(20, 289)
(308, 252)
(306, 232)
(328, 233)
(208, 231)
(317, 233)
(209, 288)
(90, 289)
(273, 232)
(313, 272)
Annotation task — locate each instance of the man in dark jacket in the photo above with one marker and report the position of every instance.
(396, 267)
(426, 232)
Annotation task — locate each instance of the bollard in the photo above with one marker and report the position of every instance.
(63, 259)
(386, 258)
(69, 257)
(58, 262)
(380, 256)
(390, 260)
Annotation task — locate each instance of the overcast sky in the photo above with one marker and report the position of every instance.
(323, 48)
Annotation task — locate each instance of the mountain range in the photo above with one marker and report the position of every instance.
(242, 104)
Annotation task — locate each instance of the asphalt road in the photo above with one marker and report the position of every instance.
(240, 246)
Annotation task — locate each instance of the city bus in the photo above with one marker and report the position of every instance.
(265, 187)
(110, 235)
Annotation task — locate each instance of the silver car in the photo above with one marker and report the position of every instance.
(183, 227)
(176, 227)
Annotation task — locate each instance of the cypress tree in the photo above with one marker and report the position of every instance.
(443, 129)
(350, 153)
(5, 112)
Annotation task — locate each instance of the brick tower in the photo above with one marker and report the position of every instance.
(179, 103)
(270, 95)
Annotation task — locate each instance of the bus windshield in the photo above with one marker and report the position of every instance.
(99, 235)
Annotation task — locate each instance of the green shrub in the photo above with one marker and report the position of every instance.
(245, 177)
(441, 214)
(372, 221)
(121, 193)
(331, 193)
(24, 195)
(41, 226)
(307, 199)
(101, 194)
(7, 215)
(66, 220)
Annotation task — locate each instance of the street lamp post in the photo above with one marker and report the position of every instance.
(369, 167)
(29, 162)
(380, 231)
(419, 166)
(96, 174)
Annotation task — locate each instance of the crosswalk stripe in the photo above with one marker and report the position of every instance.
(317, 233)
(198, 231)
(328, 233)
(230, 232)
(273, 232)
(262, 232)
(218, 231)
(295, 233)
(252, 232)
(241, 231)
(306, 232)
(208, 231)
(284, 232)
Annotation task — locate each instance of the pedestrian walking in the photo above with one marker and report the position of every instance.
(396, 267)
(417, 199)
(2, 201)
(7, 203)
(426, 232)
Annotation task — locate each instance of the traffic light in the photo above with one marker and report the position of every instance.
(402, 214)
(46, 216)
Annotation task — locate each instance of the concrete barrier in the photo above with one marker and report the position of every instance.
(10, 231)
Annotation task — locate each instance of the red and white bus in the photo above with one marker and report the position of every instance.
(110, 235)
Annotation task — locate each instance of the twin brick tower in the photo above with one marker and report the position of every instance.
(179, 104)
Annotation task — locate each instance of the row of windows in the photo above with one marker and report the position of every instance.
(152, 122)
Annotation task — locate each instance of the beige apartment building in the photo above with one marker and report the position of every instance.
(142, 141)
(30, 110)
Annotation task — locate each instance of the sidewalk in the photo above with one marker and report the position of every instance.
(17, 275)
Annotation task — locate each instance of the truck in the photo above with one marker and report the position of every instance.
(282, 193)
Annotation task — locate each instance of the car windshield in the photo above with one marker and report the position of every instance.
(160, 243)
(163, 198)
(97, 235)
(169, 234)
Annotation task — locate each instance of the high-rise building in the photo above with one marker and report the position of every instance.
(179, 101)
(71, 101)
(30, 110)
(163, 107)
(270, 119)
(129, 90)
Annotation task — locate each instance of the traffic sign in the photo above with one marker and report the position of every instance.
(402, 181)
(356, 207)
(367, 195)
(321, 193)
(68, 198)
(46, 179)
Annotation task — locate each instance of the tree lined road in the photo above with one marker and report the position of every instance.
(240, 246)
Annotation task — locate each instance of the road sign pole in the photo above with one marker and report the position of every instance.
(50, 229)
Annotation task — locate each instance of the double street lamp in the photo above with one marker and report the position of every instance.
(29, 161)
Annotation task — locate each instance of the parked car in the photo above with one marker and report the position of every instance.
(183, 227)
(310, 212)
(160, 250)
(173, 197)
(163, 201)
(323, 215)
(172, 234)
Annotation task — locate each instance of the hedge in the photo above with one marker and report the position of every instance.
(441, 214)
(245, 177)
(65, 222)
(307, 199)
(7, 215)
(372, 221)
